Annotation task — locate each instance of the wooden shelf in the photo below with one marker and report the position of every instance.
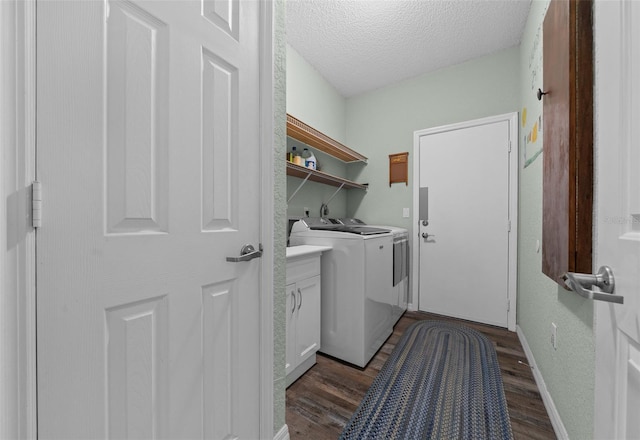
(312, 137)
(321, 177)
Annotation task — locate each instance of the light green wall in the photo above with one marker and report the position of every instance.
(280, 204)
(315, 102)
(382, 122)
(312, 99)
(568, 371)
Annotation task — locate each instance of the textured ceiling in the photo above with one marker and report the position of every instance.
(361, 45)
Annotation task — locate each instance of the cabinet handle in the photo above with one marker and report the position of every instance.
(294, 302)
(300, 303)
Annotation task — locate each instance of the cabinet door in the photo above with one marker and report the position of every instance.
(308, 319)
(291, 360)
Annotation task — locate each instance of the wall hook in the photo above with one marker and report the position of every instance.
(540, 94)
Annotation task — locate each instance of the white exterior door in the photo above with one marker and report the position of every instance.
(148, 134)
(617, 218)
(467, 248)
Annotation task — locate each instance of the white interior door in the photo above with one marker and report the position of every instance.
(617, 386)
(464, 251)
(148, 130)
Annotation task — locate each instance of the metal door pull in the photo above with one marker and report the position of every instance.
(248, 252)
(580, 283)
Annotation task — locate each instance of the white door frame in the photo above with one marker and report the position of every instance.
(267, 213)
(512, 119)
(17, 259)
(18, 405)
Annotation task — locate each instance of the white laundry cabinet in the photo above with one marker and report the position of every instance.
(303, 309)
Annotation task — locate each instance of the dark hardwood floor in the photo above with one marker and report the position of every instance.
(322, 401)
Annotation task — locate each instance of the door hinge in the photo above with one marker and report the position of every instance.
(509, 226)
(508, 305)
(36, 204)
(509, 147)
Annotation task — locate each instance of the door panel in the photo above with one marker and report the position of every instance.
(144, 329)
(137, 372)
(464, 260)
(137, 76)
(224, 14)
(220, 143)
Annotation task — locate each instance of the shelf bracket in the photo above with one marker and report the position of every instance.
(334, 194)
(300, 186)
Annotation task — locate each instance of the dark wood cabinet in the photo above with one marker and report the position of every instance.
(568, 138)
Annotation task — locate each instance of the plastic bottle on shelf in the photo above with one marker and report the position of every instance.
(297, 159)
(309, 159)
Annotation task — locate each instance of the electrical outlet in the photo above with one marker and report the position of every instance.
(554, 335)
(405, 212)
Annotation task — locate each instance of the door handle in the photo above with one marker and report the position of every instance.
(425, 235)
(293, 309)
(580, 283)
(300, 302)
(248, 252)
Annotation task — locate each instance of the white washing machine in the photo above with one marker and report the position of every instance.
(399, 294)
(356, 314)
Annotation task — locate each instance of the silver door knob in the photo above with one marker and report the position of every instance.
(248, 252)
(580, 283)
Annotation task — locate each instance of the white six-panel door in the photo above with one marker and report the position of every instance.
(617, 218)
(148, 133)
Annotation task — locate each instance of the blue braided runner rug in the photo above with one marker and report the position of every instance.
(442, 381)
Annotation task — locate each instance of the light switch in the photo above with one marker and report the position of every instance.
(405, 212)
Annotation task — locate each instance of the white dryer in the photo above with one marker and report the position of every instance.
(399, 293)
(356, 315)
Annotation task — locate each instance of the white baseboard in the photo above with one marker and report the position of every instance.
(283, 434)
(554, 416)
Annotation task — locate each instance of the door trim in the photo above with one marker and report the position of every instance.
(267, 217)
(17, 261)
(512, 119)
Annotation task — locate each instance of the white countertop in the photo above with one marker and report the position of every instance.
(305, 249)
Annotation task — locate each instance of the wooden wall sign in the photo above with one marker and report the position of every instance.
(398, 168)
(567, 96)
